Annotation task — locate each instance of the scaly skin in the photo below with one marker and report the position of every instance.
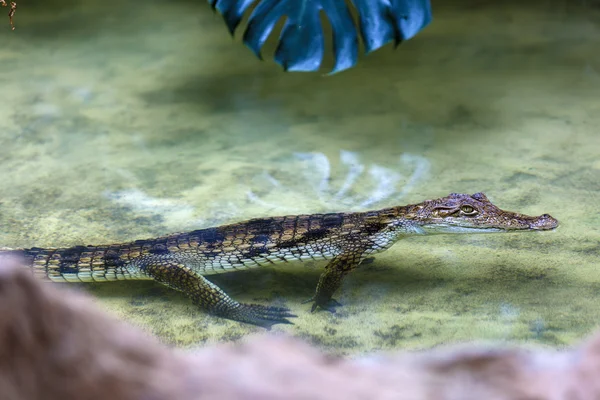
(182, 260)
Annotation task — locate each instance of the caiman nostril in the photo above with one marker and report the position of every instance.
(544, 222)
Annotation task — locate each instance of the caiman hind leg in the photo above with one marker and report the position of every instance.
(211, 298)
(331, 279)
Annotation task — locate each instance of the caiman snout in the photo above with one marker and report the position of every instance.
(543, 222)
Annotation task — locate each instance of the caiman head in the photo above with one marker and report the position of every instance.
(464, 213)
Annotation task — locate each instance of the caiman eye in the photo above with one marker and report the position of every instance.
(468, 210)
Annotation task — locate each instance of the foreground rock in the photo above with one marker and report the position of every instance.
(56, 344)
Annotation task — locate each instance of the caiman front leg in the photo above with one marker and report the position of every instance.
(210, 297)
(331, 279)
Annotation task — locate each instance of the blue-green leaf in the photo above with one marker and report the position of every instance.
(302, 44)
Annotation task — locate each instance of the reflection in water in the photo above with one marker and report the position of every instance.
(355, 190)
(280, 191)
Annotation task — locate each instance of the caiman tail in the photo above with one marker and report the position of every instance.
(19, 257)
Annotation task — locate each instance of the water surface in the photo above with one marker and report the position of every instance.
(127, 120)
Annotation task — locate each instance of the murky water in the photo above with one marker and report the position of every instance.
(128, 120)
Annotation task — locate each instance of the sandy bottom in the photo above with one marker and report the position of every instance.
(128, 120)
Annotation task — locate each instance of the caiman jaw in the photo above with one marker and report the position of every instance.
(509, 221)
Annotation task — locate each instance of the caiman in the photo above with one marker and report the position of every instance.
(183, 260)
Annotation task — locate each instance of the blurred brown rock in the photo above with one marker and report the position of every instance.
(56, 344)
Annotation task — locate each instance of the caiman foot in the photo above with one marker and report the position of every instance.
(325, 304)
(259, 315)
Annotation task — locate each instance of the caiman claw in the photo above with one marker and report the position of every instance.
(325, 304)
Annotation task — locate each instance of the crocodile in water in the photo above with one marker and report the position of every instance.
(183, 260)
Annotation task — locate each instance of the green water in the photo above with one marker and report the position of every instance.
(128, 120)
